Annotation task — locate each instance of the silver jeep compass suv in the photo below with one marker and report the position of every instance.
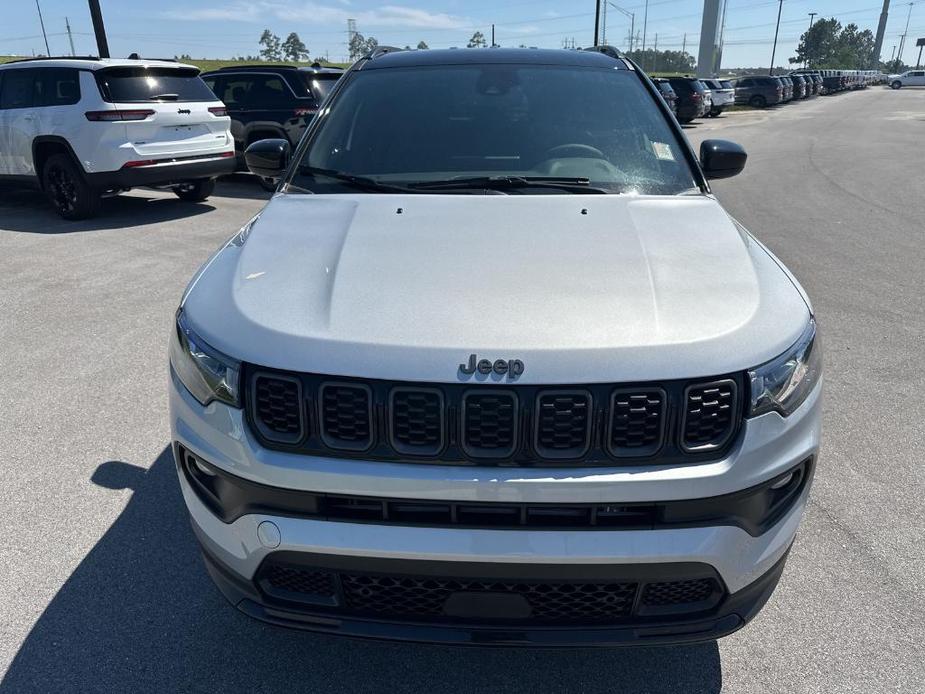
(494, 366)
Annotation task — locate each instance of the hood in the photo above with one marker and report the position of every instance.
(578, 288)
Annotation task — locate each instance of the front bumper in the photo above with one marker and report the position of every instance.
(745, 565)
(164, 172)
(715, 616)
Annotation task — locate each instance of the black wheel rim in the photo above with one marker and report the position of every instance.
(63, 189)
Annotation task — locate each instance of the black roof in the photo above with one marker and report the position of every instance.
(486, 56)
(258, 67)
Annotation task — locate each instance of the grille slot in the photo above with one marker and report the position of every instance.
(346, 416)
(300, 584)
(277, 408)
(489, 423)
(679, 592)
(416, 420)
(563, 424)
(637, 422)
(710, 412)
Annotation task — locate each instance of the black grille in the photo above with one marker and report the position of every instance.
(287, 579)
(278, 408)
(417, 421)
(431, 598)
(670, 422)
(637, 422)
(563, 424)
(710, 412)
(679, 592)
(346, 416)
(490, 423)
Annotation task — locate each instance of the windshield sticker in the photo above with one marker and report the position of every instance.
(663, 151)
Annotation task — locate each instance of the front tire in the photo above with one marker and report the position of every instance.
(896, 84)
(195, 191)
(758, 101)
(67, 190)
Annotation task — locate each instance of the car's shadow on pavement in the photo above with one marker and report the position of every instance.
(140, 614)
(27, 210)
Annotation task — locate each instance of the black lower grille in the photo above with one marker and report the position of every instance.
(709, 415)
(432, 598)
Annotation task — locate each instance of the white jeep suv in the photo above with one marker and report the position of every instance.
(493, 367)
(83, 128)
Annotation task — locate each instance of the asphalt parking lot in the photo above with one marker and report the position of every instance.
(103, 589)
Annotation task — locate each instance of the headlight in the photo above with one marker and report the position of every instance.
(207, 374)
(783, 384)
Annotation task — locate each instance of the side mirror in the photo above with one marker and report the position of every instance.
(721, 158)
(268, 158)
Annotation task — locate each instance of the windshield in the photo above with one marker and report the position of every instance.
(419, 125)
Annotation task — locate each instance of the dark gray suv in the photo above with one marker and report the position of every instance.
(759, 91)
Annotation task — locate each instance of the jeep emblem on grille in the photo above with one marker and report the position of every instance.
(512, 367)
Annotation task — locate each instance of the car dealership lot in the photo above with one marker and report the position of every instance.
(104, 590)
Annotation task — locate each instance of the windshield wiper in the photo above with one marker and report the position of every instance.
(165, 97)
(361, 182)
(571, 184)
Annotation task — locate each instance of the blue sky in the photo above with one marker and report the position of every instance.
(222, 28)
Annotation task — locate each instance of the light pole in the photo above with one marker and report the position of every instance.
(806, 43)
(902, 41)
(780, 8)
(631, 15)
(597, 21)
(645, 23)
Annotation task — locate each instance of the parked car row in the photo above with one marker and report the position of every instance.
(690, 97)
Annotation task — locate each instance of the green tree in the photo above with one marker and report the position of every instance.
(828, 45)
(663, 61)
(477, 41)
(293, 48)
(357, 46)
(422, 46)
(271, 46)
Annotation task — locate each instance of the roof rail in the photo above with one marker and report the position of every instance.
(53, 57)
(606, 50)
(382, 50)
(258, 66)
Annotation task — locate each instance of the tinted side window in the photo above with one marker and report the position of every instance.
(17, 89)
(57, 87)
(268, 91)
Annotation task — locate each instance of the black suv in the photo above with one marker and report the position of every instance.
(667, 92)
(691, 103)
(271, 101)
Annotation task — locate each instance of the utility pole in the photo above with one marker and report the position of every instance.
(919, 59)
(902, 41)
(645, 23)
(811, 17)
(892, 54)
(631, 15)
(604, 22)
(780, 7)
(96, 14)
(597, 21)
(881, 29)
(684, 43)
(722, 34)
(70, 38)
(42, 23)
(493, 36)
(655, 51)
